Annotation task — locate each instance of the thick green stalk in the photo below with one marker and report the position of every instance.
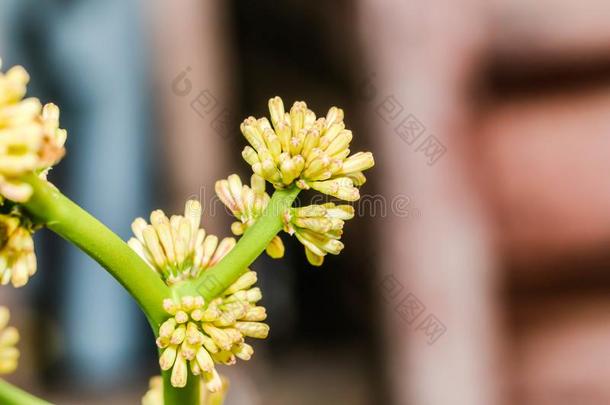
(214, 281)
(51, 208)
(11, 395)
(48, 206)
(188, 395)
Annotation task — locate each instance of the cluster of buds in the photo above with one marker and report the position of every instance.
(313, 152)
(9, 336)
(247, 204)
(177, 248)
(318, 228)
(154, 395)
(17, 257)
(201, 334)
(30, 138)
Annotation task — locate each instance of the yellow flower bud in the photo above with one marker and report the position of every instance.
(209, 344)
(205, 360)
(221, 339)
(288, 170)
(245, 281)
(168, 357)
(334, 116)
(179, 372)
(9, 337)
(251, 133)
(342, 188)
(256, 314)
(276, 109)
(316, 224)
(244, 351)
(250, 155)
(224, 357)
(213, 381)
(167, 328)
(275, 249)
(256, 330)
(188, 350)
(339, 143)
(358, 162)
(313, 258)
(178, 335)
(181, 316)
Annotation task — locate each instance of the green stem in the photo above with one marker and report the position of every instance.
(11, 395)
(188, 395)
(48, 206)
(51, 208)
(214, 281)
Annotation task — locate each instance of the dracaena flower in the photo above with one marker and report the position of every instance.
(154, 395)
(30, 138)
(201, 334)
(177, 248)
(9, 336)
(17, 256)
(318, 228)
(296, 147)
(247, 204)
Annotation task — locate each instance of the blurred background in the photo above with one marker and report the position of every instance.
(477, 270)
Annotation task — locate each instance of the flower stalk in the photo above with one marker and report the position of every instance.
(213, 282)
(195, 290)
(11, 395)
(189, 395)
(49, 207)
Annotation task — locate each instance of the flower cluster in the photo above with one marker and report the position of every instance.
(30, 138)
(17, 257)
(177, 248)
(201, 334)
(318, 228)
(154, 395)
(9, 336)
(313, 152)
(247, 204)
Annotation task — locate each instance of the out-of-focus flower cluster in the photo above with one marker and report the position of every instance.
(9, 336)
(154, 395)
(17, 257)
(318, 228)
(30, 138)
(177, 248)
(247, 204)
(296, 147)
(201, 334)
(30, 142)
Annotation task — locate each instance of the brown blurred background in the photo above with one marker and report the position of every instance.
(477, 271)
